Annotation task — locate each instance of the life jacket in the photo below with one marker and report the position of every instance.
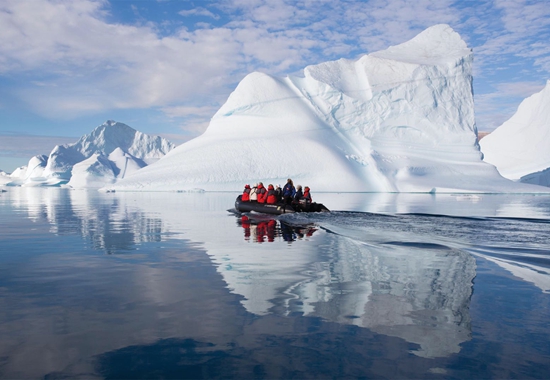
(246, 194)
(307, 195)
(271, 195)
(262, 194)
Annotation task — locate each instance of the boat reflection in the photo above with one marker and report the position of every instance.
(266, 229)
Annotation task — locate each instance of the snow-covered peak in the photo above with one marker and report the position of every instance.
(111, 151)
(437, 44)
(111, 135)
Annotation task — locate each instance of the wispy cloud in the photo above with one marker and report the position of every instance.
(496, 107)
(73, 59)
(26, 146)
(199, 12)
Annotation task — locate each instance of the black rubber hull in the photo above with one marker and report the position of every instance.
(277, 209)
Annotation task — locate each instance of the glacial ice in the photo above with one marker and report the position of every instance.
(520, 147)
(111, 151)
(398, 120)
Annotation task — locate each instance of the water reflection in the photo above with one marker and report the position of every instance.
(350, 296)
(261, 230)
(109, 225)
(417, 292)
(483, 205)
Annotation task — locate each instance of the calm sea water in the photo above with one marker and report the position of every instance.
(172, 285)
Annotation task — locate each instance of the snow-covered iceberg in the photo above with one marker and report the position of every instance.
(520, 147)
(398, 120)
(4, 178)
(111, 152)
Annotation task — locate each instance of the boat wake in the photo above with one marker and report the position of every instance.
(519, 245)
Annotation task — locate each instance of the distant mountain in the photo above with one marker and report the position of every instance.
(398, 120)
(110, 152)
(520, 147)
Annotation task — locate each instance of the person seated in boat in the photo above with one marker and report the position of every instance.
(307, 195)
(279, 194)
(298, 195)
(254, 193)
(271, 198)
(262, 193)
(288, 191)
(246, 194)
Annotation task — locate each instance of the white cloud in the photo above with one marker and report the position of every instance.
(73, 60)
(199, 12)
(186, 111)
(522, 30)
(498, 106)
(27, 146)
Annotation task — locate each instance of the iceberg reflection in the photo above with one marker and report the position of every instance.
(418, 292)
(405, 281)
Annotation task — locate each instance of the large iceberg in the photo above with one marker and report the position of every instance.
(520, 147)
(111, 152)
(398, 120)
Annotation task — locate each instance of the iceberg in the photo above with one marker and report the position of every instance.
(33, 171)
(520, 147)
(112, 151)
(4, 178)
(98, 170)
(398, 120)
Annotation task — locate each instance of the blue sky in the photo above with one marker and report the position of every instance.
(165, 66)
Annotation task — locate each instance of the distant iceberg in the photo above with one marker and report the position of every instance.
(398, 120)
(520, 147)
(4, 177)
(111, 152)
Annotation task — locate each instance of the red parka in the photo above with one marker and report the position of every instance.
(246, 194)
(271, 196)
(262, 193)
(307, 195)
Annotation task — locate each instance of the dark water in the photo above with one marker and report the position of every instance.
(172, 285)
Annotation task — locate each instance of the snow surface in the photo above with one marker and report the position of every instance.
(4, 178)
(112, 151)
(520, 147)
(399, 120)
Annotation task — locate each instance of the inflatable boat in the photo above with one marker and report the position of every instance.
(278, 208)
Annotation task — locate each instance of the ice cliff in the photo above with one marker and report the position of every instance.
(398, 120)
(112, 151)
(520, 147)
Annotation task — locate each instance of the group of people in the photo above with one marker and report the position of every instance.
(273, 195)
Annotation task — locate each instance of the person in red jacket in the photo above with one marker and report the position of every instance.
(271, 195)
(262, 193)
(246, 194)
(307, 195)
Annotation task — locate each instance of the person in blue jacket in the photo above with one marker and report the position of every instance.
(288, 191)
